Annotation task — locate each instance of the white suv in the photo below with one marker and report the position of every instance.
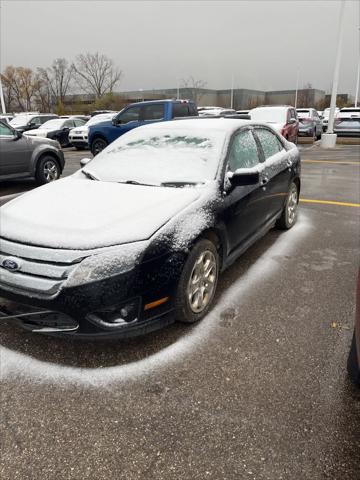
(78, 136)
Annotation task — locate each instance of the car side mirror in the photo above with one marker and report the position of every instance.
(292, 121)
(243, 177)
(84, 161)
(17, 135)
(116, 121)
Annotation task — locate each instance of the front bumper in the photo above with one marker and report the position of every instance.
(83, 311)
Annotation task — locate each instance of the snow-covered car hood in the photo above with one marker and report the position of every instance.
(38, 132)
(78, 213)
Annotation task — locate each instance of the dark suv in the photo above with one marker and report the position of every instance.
(23, 156)
(25, 121)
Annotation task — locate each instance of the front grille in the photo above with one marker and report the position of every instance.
(36, 271)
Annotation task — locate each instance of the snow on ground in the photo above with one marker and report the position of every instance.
(15, 364)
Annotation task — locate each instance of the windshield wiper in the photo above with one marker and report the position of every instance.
(90, 175)
(135, 182)
(179, 184)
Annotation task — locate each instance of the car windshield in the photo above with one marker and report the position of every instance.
(176, 157)
(303, 113)
(53, 124)
(269, 115)
(20, 120)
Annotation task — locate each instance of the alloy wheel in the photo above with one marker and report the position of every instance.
(292, 204)
(51, 171)
(202, 282)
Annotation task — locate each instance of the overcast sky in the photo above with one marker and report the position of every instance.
(155, 43)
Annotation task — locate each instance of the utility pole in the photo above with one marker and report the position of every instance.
(232, 93)
(328, 140)
(357, 84)
(357, 77)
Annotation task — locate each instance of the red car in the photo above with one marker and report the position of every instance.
(284, 119)
(354, 355)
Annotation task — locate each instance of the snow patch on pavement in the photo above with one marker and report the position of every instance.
(15, 364)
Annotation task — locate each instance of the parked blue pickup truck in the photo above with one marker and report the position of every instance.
(135, 115)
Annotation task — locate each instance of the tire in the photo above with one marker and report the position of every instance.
(98, 145)
(352, 363)
(47, 170)
(289, 214)
(314, 135)
(190, 307)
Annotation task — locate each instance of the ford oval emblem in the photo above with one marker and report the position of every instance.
(10, 264)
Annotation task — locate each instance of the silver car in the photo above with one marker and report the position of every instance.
(310, 124)
(23, 156)
(347, 122)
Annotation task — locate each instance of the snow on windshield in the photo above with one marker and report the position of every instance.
(156, 156)
(269, 115)
(52, 124)
(20, 120)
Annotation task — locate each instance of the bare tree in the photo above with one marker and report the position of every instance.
(57, 79)
(193, 86)
(304, 96)
(22, 86)
(96, 73)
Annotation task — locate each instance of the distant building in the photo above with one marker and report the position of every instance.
(243, 98)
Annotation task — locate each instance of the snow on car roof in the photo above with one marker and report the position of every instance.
(226, 125)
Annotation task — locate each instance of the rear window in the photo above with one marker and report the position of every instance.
(349, 113)
(303, 113)
(180, 110)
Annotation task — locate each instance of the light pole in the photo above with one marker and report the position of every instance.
(232, 92)
(328, 140)
(357, 84)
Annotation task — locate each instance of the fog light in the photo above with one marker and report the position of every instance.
(117, 315)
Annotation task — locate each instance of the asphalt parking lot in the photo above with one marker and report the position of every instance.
(257, 390)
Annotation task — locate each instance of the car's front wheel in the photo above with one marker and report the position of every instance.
(197, 285)
(289, 213)
(47, 170)
(98, 145)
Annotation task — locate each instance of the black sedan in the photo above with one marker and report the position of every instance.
(143, 230)
(57, 129)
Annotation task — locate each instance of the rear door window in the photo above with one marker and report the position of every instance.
(153, 112)
(270, 144)
(243, 151)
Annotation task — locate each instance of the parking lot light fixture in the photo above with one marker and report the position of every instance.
(328, 140)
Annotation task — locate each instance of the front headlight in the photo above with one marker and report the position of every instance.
(112, 261)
